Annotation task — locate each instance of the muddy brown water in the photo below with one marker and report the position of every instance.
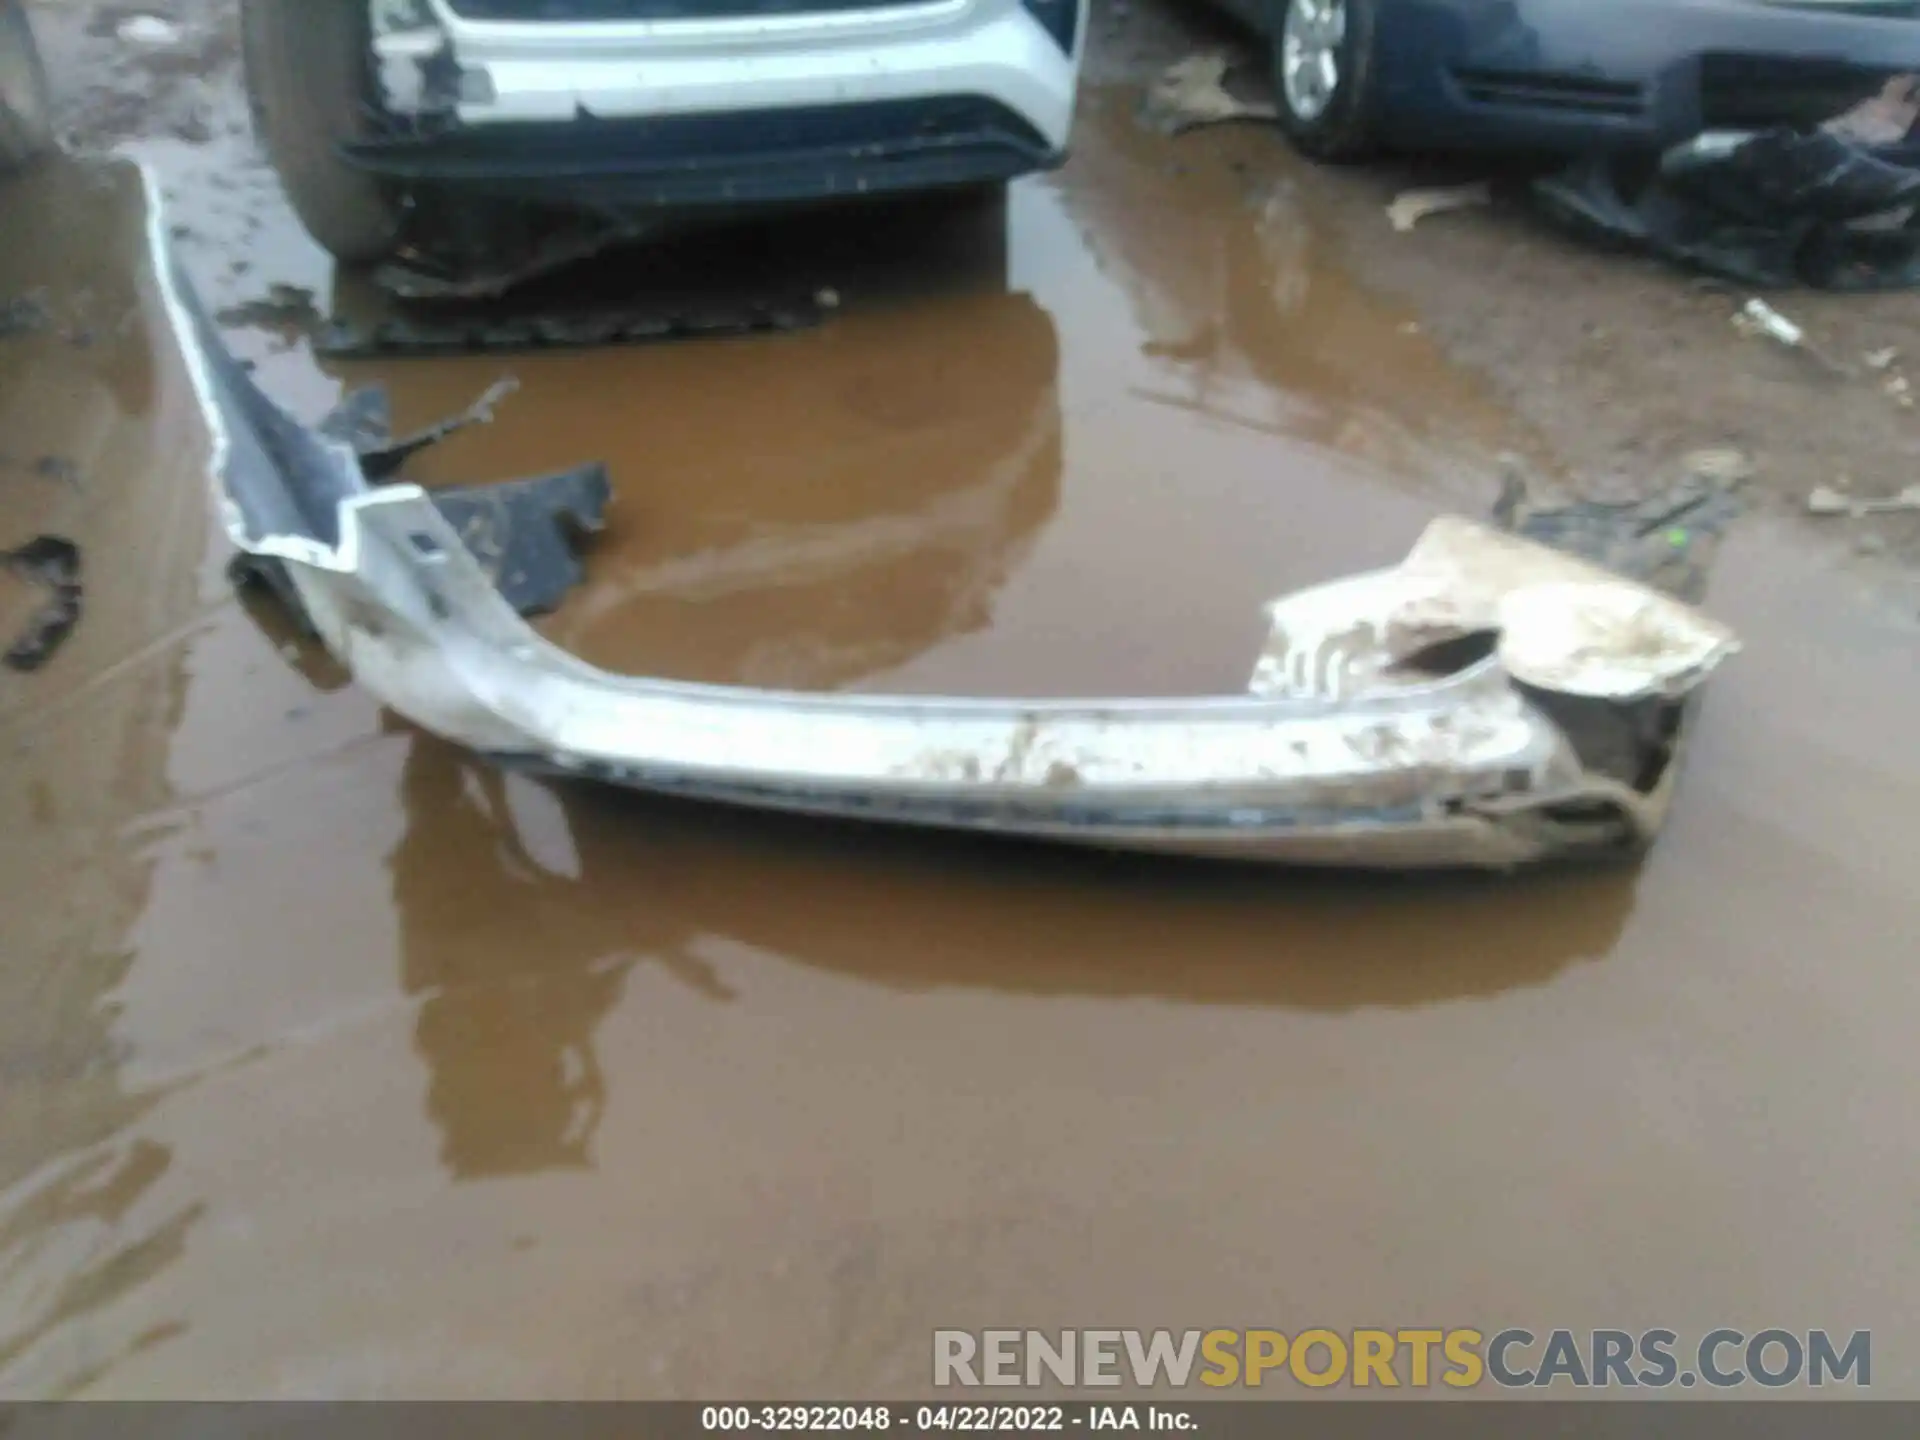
(333, 1062)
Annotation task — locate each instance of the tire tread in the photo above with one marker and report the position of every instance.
(306, 64)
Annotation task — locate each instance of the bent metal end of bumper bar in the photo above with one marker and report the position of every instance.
(1342, 753)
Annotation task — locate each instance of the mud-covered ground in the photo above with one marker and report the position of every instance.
(335, 1062)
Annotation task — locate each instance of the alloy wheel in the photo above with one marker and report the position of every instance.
(1310, 44)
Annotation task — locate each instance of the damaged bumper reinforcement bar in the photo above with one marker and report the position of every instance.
(1490, 702)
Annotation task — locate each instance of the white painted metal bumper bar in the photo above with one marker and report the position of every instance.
(1391, 769)
(1344, 753)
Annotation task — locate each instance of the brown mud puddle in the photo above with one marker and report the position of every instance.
(335, 1063)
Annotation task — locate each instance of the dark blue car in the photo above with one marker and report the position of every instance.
(1570, 75)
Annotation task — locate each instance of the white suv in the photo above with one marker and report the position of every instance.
(637, 106)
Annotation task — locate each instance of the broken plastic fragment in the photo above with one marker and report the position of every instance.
(1410, 207)
(383, 457)
(149, 32)
(1191, 93)
(1760, 319)
(1725, 466)
(525, 533)
(441, 273)
(1606, 641)
(1769, 208)
(522, 532)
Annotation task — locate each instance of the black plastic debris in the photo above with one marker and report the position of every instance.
(364, 420)
(53, 564)
(525, 533)
(1768, 209)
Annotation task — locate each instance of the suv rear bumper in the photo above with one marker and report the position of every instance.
(554, 72)
(748, 158)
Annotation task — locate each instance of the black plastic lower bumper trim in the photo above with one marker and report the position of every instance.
(734, 159)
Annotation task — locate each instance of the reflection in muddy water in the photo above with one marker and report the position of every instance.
(805, 511)
(334, 1062)
(486, 874)
(707, 873)
(828, 559)
(1251, 317)
(83, 751)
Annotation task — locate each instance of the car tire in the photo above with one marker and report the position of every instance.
(309, 82)
(26, 107)
(1323, 76)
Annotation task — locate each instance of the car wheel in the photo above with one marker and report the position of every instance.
(1323, 75)
(26, 112)
(310, 85)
